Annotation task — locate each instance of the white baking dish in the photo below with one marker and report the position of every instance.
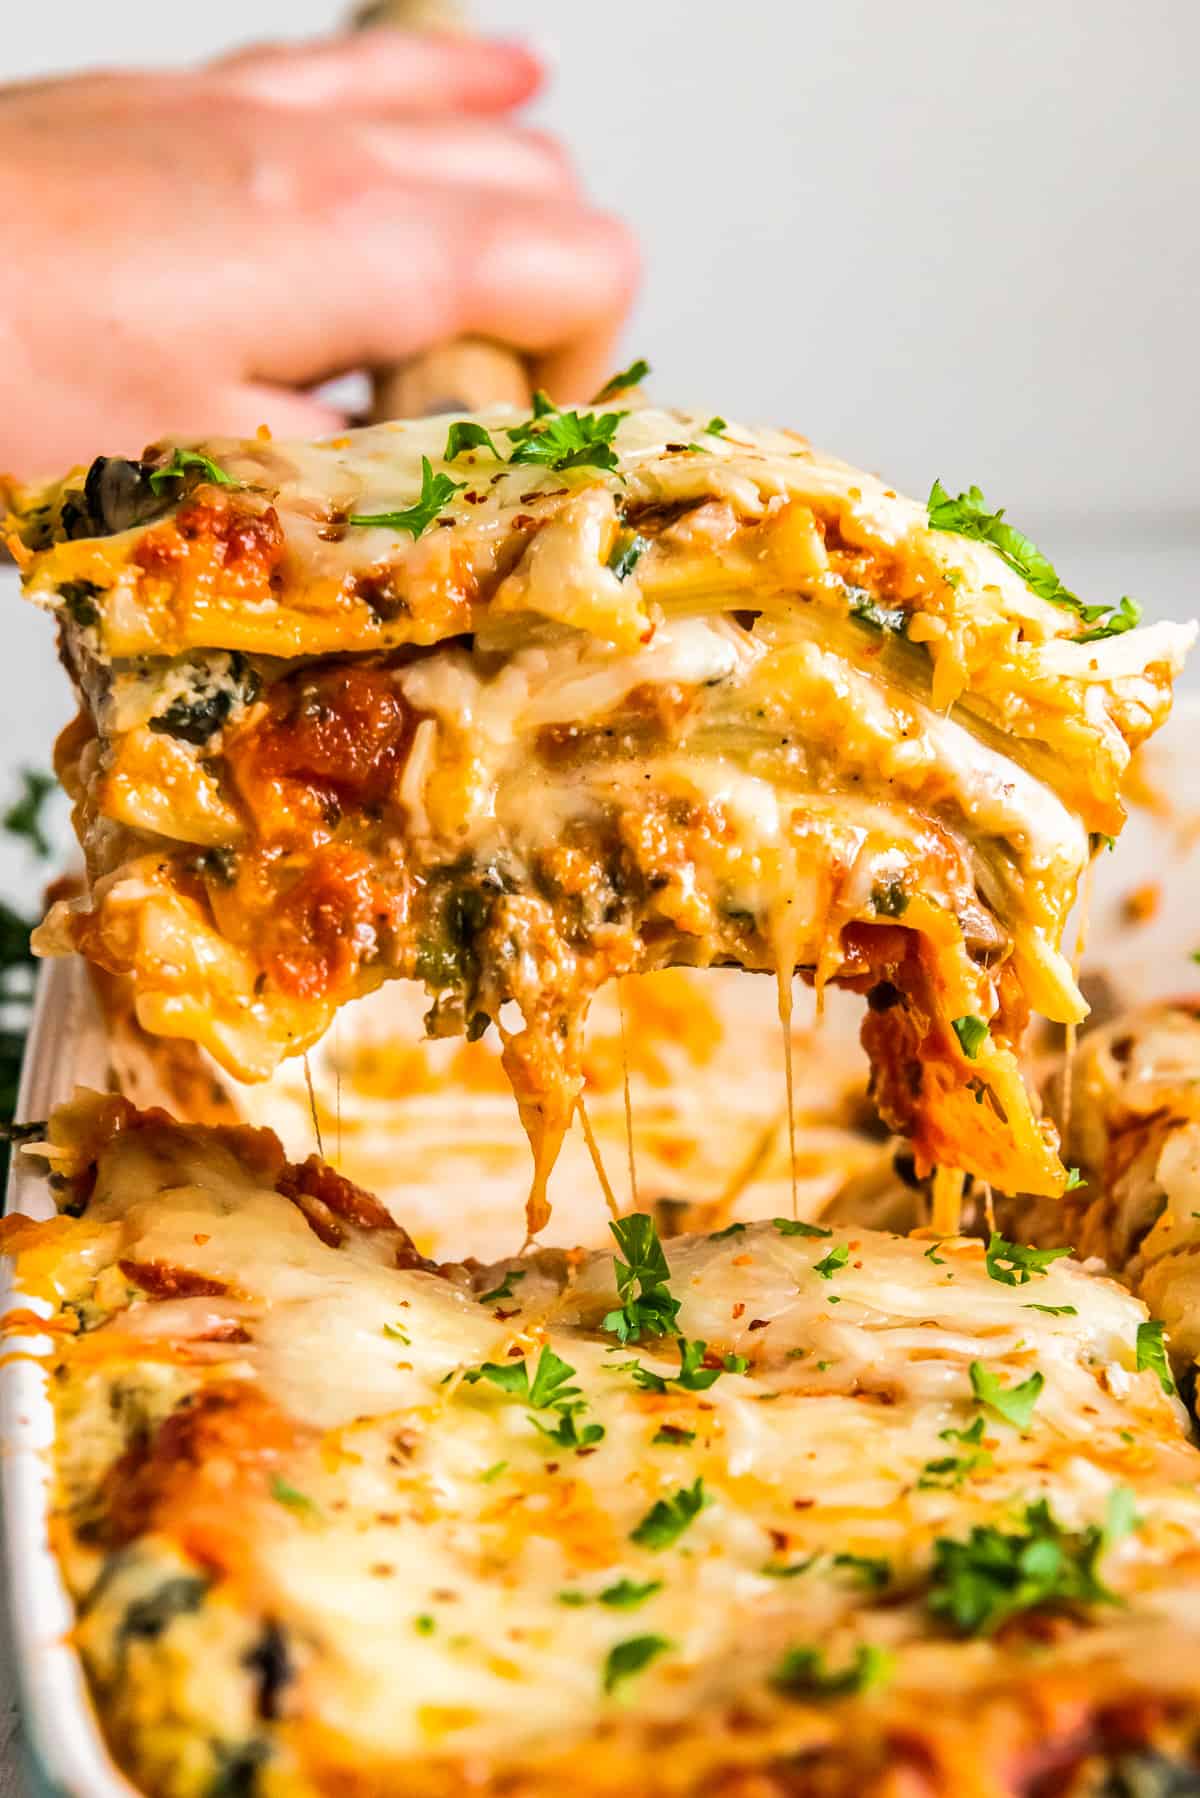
(1144, 961)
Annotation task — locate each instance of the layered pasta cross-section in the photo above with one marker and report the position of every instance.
(512, 705)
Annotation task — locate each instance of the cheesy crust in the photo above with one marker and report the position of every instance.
(341, 1521)
(511, 758)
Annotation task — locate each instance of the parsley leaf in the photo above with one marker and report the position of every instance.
(24, 816)
(1151, 1353)
(716, 426)
(182, 460)
(286, 1494)
(978, 1584)
(968, 516)
(1054, 1310)
(667, 1518)
(567, 439)
(505, 1288)
(1121, 619)
(870, 1571)
(435, 491)
(729, 1230)
(672, 1435)
(1013, 1403)
(1074, 1180)
(566, 1433)
(972, 1033)
(788, 1569)
(833, 1262)
(693, 1376)
(1015, 1265)
(632, 376)
(647, 1307)
(795, 1226)
(467, 435)
(547, 1387)
(628, 1658)
(627, 1594)
(931, 1253)
(802, 1673)
(948, 1472)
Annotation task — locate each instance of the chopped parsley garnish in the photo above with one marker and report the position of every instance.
(1015, 1265)
(1013, 1403)
(627, 1594)
(562, 440)
(788, 1569)
(566, 1433)
(492, 1473)
(424, 1624)
(467, 435)
(870, 1571)
(182, 462)
(547, 1387)
(505, 1288)
(647, 1307)
(693, 1375)
(627, 551)
(931, 1253)
(833, 1262)
(972, 1033)
(24, 817)
(436, 489)
(729, 1230)
(397, 1334)
(802, 1673)
(667, 1518)
(948, 1472)
(548, 1390)
(968, 516)
(671, 1435)
(1053, 1310)
(1151, 1353)
(632, 376)
(795, 1226)
(1074, 1180)
(978, 1584)
(889, 899)
(716, 426)
(630, 1657)
(286, 1494)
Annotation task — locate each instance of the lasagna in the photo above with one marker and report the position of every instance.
(714, 1516)
(512, 705)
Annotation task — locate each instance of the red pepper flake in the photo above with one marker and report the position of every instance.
(758, 1323)
(803, 1504)
(738, 1309)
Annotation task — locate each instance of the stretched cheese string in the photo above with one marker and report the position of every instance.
(589, 1137)
(312, 1107)
(786, 936)
(1072, 1029)
(633, 1180)
(947, 1201)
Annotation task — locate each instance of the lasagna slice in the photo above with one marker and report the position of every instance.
(786, 1510)
(512, 706)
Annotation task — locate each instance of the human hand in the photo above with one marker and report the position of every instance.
(185, 251)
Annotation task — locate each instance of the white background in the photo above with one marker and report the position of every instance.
(943, 239)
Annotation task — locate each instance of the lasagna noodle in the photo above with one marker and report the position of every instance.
(314, 1548)
(506, 758)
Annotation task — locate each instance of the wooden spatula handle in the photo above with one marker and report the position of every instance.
(469, 373)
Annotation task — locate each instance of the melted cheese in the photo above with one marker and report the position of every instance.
(423, 1531)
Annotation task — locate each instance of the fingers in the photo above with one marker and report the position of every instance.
(386, 70)
(536, 272)
(468, 152)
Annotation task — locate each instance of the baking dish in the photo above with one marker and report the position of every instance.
(1144, 929)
